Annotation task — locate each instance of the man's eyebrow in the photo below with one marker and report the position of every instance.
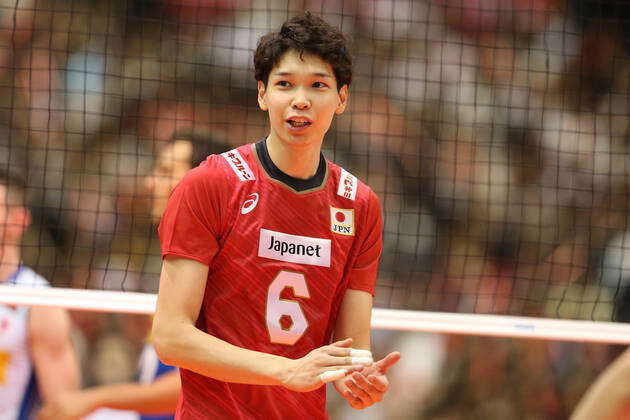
(288, 73)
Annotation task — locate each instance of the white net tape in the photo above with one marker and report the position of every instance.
(438, 322)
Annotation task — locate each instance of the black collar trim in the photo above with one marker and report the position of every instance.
(299, 185)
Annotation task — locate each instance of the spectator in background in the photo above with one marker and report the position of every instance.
(37, 359)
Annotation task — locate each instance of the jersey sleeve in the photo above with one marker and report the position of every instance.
(192, 222)
(363, 273)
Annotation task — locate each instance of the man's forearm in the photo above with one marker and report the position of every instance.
(187, 347)
(607, 392)
(159, 397)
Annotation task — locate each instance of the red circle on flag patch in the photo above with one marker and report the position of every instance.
(340, 217)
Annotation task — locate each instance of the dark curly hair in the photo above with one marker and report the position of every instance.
(305, 33)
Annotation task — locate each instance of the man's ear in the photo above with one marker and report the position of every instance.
(261, 96)
(343, 100)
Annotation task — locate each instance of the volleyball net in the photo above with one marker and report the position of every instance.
(494, 133)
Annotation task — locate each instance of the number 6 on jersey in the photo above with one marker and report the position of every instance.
(278, 308)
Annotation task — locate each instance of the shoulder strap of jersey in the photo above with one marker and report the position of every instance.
(239, 165)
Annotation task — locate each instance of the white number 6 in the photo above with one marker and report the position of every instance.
(277, 308)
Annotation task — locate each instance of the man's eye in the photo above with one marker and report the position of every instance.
(283, 83)
(319, 85)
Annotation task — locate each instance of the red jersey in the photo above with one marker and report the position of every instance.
(281, 253)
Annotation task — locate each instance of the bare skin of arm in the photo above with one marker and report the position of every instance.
(158, 397)
(608, 393)
(179, 342)
(365, 388)
(53, 354)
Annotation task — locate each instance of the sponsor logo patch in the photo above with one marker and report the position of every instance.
(347, 185)
(239, 165)
(250, 203)
(293, 248)
(342, 221)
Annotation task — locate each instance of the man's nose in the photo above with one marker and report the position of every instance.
(300, 100)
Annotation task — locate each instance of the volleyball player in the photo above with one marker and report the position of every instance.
(37, 359)
(271, 252)
(152, 397)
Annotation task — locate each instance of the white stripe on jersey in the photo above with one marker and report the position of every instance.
(239, 165)
(347, 185)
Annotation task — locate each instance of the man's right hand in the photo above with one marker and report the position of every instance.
(325, 364)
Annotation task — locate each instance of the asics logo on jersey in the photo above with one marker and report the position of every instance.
(250, 203)
(293, 248)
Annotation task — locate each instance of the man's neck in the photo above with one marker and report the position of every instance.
(9, 262)
(299, 161)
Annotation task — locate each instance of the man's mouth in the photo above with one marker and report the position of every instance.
(298, 123)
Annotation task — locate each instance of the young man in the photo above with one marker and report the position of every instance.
(270, 252)
(37, 359)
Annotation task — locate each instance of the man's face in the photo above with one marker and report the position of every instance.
(170, 166)
(301, 97)
(14, 218)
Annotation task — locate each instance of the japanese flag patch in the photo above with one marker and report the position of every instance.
(342, 221)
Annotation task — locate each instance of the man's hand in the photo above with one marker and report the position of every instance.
(325, 364)
(364, 388)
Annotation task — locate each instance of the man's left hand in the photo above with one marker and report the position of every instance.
(362, 389)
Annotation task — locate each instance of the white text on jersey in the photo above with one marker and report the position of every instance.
(239, 165)
(347, 185)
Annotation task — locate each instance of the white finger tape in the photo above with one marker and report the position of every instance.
(360, 353)
(362, 361)
(332, 375)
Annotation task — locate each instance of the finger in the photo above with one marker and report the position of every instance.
(353, 400)
(347, 360)
(360, 353)
(379, 382)
(359, 392)
(363, 383)
(346, 351)
(332, 375)
(343, 343)
(348, 368)
(388, 361)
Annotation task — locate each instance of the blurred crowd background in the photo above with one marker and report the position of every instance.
(495, 133)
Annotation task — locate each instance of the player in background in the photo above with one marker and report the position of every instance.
(270, 252)
(154, 396)
(37, 358)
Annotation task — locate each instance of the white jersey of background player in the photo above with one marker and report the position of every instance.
(37, 359)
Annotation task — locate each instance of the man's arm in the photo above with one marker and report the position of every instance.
(158, 397)
(361, 389)
(179, 342)
(52, 351)
(607, 393)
